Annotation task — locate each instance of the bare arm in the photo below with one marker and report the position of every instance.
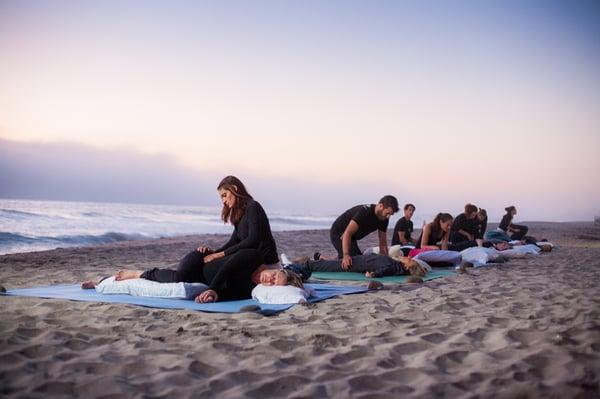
(402, 237)
(383, 248)
(445, 241)
(351, 229)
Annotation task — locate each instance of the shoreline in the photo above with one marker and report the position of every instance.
(540, 227)
(529, 328)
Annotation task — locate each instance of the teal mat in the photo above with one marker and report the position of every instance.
(350, 276)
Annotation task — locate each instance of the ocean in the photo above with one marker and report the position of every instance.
(27, 225)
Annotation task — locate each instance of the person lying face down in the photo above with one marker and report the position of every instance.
(379, 265)
(405, 265)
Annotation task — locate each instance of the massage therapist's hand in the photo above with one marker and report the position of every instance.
(207, 296)
(211, 257)
(204, 250)
(346, 262)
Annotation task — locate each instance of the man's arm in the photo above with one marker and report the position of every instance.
(351, 229)
(402, 237)
(383, 248)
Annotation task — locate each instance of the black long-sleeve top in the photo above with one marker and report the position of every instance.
(505, 222)
(461, 222)
(481, 227)
(253, 231)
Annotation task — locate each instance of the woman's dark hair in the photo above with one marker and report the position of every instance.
(409, 206)
(483, 212)
(435, 225)
(510, 208)
(470, 209)
(389, 201)
(242, 197)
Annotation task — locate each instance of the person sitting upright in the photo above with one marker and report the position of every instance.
(404, 227)
(515, 231)
(359, 221)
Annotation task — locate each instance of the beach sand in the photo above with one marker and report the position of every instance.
(528, 328)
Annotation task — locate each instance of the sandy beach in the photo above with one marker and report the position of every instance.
(528, 328)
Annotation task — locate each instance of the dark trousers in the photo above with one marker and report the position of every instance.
(336, 240)
(192, 269)
(456, 237)
(360, 264)
(522, 231)
(461, 245)
(189, 270)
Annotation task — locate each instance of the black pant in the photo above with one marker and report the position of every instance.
(336, 240)
(230, 276)
(520, 233)
(461, 245)
(456, 237)
(360, 264)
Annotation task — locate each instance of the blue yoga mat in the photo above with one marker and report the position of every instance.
(76, 293)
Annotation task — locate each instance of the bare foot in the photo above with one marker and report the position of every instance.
(127, 274)
(369, 274)
(89, 284)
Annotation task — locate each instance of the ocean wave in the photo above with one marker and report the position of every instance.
(20, 214)
(92, 214)
(301, 221)
(8, 240)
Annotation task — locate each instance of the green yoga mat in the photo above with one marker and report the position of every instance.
(350, 276)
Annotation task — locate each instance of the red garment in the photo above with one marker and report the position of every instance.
(415, 251)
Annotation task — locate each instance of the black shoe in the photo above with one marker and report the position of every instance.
(317, 256)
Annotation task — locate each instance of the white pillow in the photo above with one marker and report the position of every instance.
(281, 294)
(143, 287)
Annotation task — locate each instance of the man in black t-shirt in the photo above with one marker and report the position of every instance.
(358, 222)
(404, 227)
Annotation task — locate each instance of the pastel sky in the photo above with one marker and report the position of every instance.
(439, 103)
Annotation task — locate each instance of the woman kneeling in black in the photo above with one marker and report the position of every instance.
(234, 269)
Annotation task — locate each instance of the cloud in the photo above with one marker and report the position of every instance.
(77, 172)
(68, 171)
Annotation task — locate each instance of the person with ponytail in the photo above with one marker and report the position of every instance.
(515, 231)
(233, 270)
(481, 224)
(438, 231)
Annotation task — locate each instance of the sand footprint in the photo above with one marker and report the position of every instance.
(451, 361)
(366, 383)
(279, 387)
(434, 338)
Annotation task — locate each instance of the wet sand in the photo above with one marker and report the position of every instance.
(528, 328)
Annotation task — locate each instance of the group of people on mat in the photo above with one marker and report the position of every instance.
(250, 256)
